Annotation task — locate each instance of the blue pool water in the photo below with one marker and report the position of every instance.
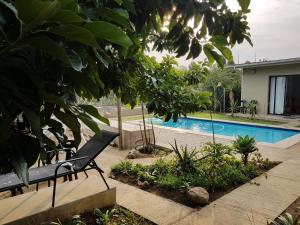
(261, 133)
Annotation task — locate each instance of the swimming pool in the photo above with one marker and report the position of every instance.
(261, 133)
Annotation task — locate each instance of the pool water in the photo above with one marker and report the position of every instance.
(261, 133)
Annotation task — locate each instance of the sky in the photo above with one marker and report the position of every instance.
(275, 32)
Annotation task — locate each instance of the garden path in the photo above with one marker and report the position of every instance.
(256, 203)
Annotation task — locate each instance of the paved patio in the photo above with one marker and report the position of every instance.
(248, 204)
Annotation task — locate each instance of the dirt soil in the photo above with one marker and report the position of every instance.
(293, 209)
(178, 195)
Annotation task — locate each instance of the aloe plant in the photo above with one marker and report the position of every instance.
(287, 219)
(233, 107)
(245, 146)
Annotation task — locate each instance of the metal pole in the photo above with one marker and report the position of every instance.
(224, 100)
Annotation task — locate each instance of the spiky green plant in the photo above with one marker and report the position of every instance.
(287, 219)
(233, 107)
(186, 158)
(245, 146)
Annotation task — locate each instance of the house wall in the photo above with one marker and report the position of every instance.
(255, 83)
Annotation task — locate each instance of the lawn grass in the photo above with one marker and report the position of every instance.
(219, 116)
(138, 117)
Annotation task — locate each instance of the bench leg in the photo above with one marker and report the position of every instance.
(54, 191)
(94, 164)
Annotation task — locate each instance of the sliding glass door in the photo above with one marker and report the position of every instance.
(277, 95)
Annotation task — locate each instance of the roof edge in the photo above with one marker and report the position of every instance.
(266, 63)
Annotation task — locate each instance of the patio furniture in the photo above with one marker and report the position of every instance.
(80, 161)
(243, 107)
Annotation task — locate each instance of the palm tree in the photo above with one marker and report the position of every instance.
(245, 146)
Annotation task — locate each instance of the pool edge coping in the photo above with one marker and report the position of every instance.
(283, 144)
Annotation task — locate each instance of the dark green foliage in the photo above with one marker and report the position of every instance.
(217, 170)
(170, 182)
(186, 158)
(128, 168)
(245, 146)
(166, 92)
(116, 215)
(52, 51)
(233, 107)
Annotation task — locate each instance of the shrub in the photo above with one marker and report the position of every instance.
(216, 151)
(161, 167)
(245, 146)
(170, 182)
(233, 107)
(123, 167)
(218, 169)
(187, 160)
(127, 168)
(145, 176)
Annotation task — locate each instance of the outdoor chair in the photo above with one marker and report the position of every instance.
(243, 106)
(80, 161)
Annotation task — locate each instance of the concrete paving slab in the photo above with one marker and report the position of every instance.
(150, 206)
(71, 198)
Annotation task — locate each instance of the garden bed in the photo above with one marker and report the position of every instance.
(109, 216)
(291, 214)
(219, 174)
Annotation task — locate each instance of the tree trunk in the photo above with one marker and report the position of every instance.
(215, 99)
(144, 124)
(119, 105)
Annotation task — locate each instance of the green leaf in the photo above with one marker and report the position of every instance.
(85, 83)
(55, 100)
(213, 56)
(197, 19)
(207, 50)
(203, 31)
(94, 112)
(129, 5)
(34, 120)
(70, 121)
(113, 16)
(226, 52)
(36, 12)
(75, 60)
(67, 56)
(69, 5)
(20, 167)
(5, 127)
(219, 40)
(22, 152)
(75, 33)
(249, 40)
(66, 16)
(87, 120)
(195, 49)
(9, 21)
(47, 45)
(109, 32)
(244, 4)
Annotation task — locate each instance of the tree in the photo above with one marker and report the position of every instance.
(230, 79)
(245, 146)
(54, 50)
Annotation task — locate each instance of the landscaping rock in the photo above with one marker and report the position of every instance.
(198, 195)
(143, 184)
(133, 154)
